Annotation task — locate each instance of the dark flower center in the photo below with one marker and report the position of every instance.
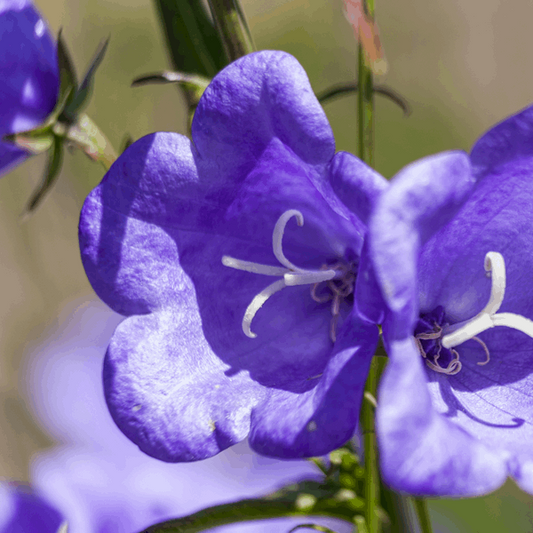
(428, 337)
(337, 278)
(336, 290)
(436, 338)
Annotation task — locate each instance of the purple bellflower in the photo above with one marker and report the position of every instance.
(235, 258)
(29, 74)
(451, 242)
(97, 479)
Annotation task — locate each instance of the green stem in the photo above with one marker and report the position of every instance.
(365, 100)
(423, 515)
(232, 28)
(371, 480)
(365, 104)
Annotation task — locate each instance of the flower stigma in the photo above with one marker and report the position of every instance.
(339, 277)
(447, 337)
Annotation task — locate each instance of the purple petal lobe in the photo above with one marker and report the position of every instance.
(368, 298)
(356, 183)
(422, 198)
(263, 95)
(509, 141)
(169, 393)
(422, 451)
(303, 425)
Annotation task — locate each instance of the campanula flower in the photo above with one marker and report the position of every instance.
(29, 74)
(235, 258)
(451, 242)
(95, 478)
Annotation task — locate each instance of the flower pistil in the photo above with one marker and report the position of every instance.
(292, 275)
(449, 336)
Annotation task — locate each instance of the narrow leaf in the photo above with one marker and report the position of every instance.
(67, 74)
(51, 173)
(83, 93)
(344, 89)
(194, 84)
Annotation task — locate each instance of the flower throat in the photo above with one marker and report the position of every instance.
(436, 339)
(333, 283)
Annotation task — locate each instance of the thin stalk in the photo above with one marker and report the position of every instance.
(422, 512)
(232, 27)
(365, 112)
(371, 480)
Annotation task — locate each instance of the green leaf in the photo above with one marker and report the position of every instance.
(83, 93)
(308, 498)
(53, 167)
(194, 84)
(192, 41)
(344, 89)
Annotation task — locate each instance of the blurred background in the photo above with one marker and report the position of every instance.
(463, 65)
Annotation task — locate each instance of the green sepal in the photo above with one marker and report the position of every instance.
(33, 143)
(83, 92)
(53, 166)
(192, 41)
(194, 84)
(68, 83)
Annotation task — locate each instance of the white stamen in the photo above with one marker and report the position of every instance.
(487, 318)
(257, 303)
(290, 273)
(487, 353)
(254, 268)
(308, 278)
(277, 237)
(515, 322)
